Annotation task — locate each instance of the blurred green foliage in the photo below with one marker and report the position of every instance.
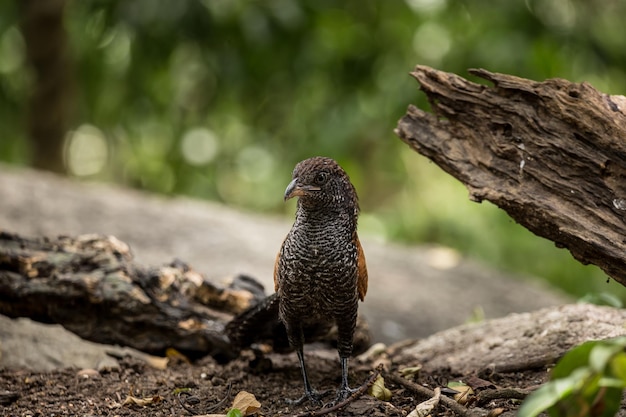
(218, 99)
(588, 381)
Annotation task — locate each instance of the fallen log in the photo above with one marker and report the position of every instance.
(90, 285)
(552, 154)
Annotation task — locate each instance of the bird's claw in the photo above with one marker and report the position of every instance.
(342, 395)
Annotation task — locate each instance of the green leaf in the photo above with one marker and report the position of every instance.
(618, 366)
(551, 393)
(612, 383)
(538, 401)
(234, 412)
(611, 401)
(601, 355)
(575, 358)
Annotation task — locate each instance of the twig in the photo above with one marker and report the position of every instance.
(507, 393)
(356, 394)
(210, 409)
(426, 392)
(525, 364)
(182, 403)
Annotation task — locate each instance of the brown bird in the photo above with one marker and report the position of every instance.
(320, 272)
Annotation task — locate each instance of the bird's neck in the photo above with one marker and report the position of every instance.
(341, 218)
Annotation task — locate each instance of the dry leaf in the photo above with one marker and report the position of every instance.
(246, 403)
(426, 408)
(175, 356)
(410, 371)
(157, 362)
(463, 392)
(496, 412)
(476, 382)
(88, 373)
(378, 389)
(142, 402)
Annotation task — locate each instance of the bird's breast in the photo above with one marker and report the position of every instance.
(318, 271)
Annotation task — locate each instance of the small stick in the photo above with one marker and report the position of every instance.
(507, 393)
(426, 392)
(210, 409)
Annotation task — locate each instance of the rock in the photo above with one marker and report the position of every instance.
(45, 347)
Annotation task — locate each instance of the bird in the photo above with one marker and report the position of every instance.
(320, 273)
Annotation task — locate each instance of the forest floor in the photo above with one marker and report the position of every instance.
(184, 389)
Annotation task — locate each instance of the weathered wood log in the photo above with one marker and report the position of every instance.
(515, 343)
(90, 285)
(552, 154)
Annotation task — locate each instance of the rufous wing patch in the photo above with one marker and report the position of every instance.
(276, 280)
(361, 269)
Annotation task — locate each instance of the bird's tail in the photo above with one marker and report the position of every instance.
(256, 324)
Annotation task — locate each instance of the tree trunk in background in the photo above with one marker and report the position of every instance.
(552, 154)
(47, 52)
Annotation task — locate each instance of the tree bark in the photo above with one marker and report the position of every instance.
(552, 154)
(90, 285)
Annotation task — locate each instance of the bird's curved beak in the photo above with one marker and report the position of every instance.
(295, 190)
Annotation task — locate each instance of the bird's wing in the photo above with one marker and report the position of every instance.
(361, 269)
(276, 278)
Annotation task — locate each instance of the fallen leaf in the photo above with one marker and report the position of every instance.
(463, 392)
(410, 371)
(246, 403)
(142, 402)
(181, 390)
(426, 408)
(88, 373)
(176, 356)
(157, 362)
(476, 383)
(378, 389)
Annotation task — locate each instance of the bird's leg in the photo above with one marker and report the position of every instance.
(296, 340)
(309, 392)
(345, 333)
(344, 390)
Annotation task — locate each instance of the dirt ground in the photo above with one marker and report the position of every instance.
(77, 392)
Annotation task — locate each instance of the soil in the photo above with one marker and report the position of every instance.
(72, 391)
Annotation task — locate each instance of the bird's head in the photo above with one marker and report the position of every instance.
(319, 182)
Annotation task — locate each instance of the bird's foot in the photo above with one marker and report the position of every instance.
(343, 394)
(314, 397)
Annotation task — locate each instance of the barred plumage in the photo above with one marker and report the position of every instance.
(320, 272)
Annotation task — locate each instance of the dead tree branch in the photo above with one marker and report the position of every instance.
(552, 154)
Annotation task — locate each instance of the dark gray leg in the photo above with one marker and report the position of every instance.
(344, 390)
(296, 339)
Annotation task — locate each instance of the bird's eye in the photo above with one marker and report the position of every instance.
(321, 178)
